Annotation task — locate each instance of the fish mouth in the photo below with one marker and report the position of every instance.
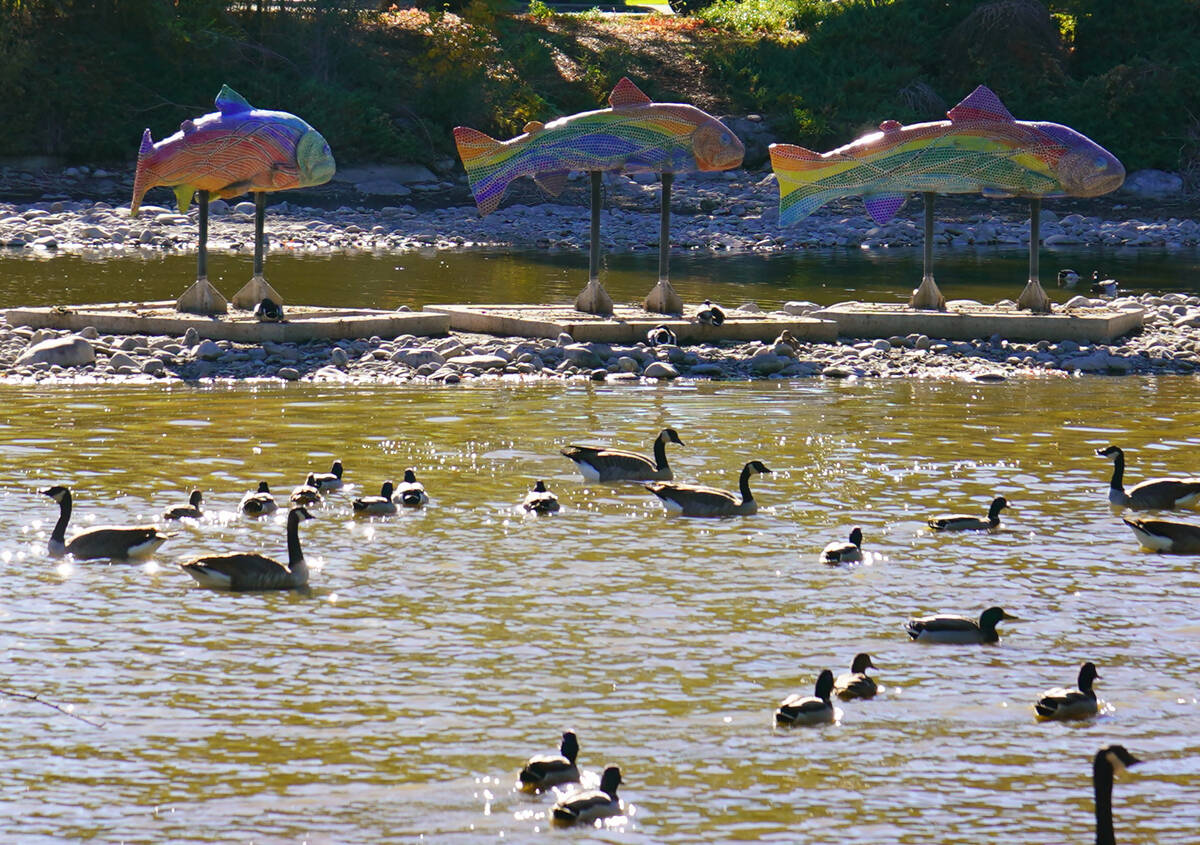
(1091, 174)
(716, 147)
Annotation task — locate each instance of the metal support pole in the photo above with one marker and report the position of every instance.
(664, 229)
(260, 213)
(594, 246)
(1035, 237)
(928, 195)
(202, 252)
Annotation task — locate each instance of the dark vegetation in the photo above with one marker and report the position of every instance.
(82, 78)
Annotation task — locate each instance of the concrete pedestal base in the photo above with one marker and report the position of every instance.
(254, 292)
(202, 298)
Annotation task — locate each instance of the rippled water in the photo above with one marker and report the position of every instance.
(439, 649)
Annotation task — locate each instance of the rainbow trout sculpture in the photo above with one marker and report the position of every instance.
(981, 148)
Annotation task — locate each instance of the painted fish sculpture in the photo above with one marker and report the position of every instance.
(231, 151)
(634, 135)
(981, 148)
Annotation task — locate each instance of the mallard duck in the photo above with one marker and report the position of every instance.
(1107, 762)
(326, 481)
(1162, 536)
(604, 464)
(380, 505)
(856, 683)
(787, 339)
(815, 709)
(268, 311)
(307, 493)
(587, 806)
(957, 629)
(1063, 703)
(189, 511)
(540, 500)
(710, 315)
(850, 552)
(411, 493)
(1067, 278)
(546, 770)
(1153, 494)
(245, 571)
(966, 522)
(115, 542)
(693, 500)
(661, 336)
(259, 502)
(1104, 287)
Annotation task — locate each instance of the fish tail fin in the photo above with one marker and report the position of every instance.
(141, 178)
(802, 176)
(478, 152)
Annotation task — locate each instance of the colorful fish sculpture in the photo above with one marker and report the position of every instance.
(236, 149)
(634, 135)
(980, 148)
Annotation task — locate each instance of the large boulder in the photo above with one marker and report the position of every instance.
(69, 351)
(1153, 184)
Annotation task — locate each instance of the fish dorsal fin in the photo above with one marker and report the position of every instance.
(889, 126)
(534, 126)
(981, 104)
(626, 94)
(231, 102)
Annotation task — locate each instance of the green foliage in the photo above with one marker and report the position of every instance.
(750, 16)
(539, 11)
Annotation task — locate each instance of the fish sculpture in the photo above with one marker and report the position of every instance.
(634, 135)
(235, 149)
(981, 148)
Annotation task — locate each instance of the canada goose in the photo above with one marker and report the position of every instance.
(850, 552)
(603, 464)
(380, 505)
(710, 315)
(966, 522)
(116, 542)
(1162, 536)
(259, 502)
(1063, 703)
(957, 629)
(693, 500)
(253, 571)
(1108, 761)
(307, 493)
(540, 500)
(1153, 494)
(331, 480)
(856, 683)
(1067, 278)
(268, 311)
(546, 770)
(411, 493)
(1104, 287)
(815, 709)
(661, 336)
(189, 511)
(589, 805)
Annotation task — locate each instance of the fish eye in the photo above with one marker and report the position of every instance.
(725, 139)
(1099, 161)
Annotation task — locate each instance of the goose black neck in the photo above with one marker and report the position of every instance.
(1102, 780)
(293, 539)
(744, 484)
(1118, 475)
(64, 516)
(660, 453)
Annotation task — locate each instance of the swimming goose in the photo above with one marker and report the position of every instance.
(259, 502)
(856, 683)
(1104, 287)
(307, 493)
(604, 464)
(244, 571)
(815, 709)
(189, 511)
(1153, 494)
(331, 480)
(710, 315)
(381, 505)
(1067, 278)
(1063, 703)
(540, 500)
(850, 552)
(661, 336)
(966, 522)
(1162, 536)
(1108, 761)
(546, 770)
(957, 629)
(587, 806)
(694, 500)
(116, 542)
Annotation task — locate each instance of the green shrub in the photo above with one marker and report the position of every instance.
(750, 16)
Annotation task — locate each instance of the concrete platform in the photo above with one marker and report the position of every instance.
(628, 325)
(304, 322)
(968, 320)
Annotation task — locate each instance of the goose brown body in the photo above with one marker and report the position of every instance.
(112, 542)
(1152, 494)
(245, 571)
(606, 464)
(1163, 535)
(694, 500)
